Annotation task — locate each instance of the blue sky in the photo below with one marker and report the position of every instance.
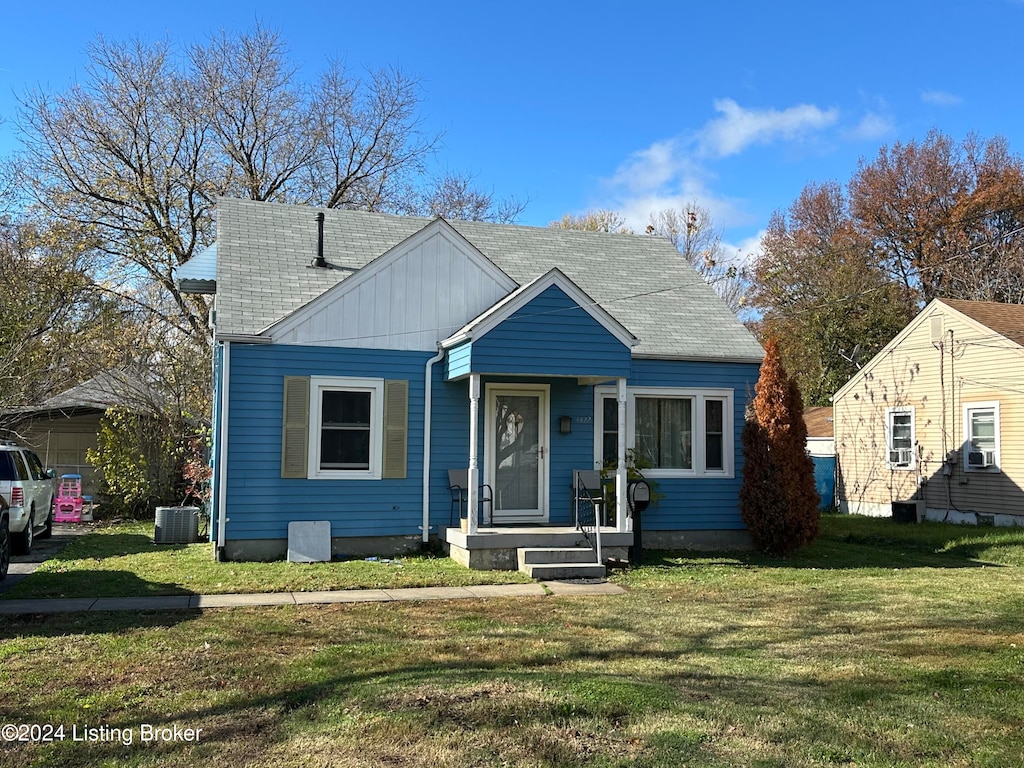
(634, 107)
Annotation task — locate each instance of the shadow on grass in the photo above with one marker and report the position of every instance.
(850, 542)
(113, 545)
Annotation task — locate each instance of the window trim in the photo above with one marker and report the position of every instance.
(889, 414)
(320, 384)
(986, 405)
(698, 397)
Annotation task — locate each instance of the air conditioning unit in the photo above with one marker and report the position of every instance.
(981, 459)
(901, 457)
(176, 525)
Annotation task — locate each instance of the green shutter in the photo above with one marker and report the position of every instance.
(396, 428)
(295, 427)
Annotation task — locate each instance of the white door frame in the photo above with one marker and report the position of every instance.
(543, 391)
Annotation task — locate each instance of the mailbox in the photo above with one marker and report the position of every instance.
(638, 495)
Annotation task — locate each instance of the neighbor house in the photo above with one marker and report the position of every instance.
(64, 427)
(361, 356)
(937, 418)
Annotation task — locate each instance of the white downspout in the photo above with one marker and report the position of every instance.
(427, 385)
(222, 452)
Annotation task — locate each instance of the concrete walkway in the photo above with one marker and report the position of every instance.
(186, 602)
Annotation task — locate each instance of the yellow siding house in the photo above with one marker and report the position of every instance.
(937, 418)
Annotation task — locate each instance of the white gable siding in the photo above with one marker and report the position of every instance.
(408, 300)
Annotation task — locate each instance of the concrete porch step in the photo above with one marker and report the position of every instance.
(548, 563)
(534, 555)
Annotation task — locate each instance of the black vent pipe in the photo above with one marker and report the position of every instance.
(320, 261)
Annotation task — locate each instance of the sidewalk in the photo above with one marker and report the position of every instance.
(187, 602)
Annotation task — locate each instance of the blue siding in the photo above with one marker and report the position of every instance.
(550, 336)
(260, 502)
(699, 503)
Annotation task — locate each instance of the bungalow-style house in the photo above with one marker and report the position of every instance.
(361, 356)
(937, 419)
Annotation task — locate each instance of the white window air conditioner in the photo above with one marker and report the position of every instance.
(900, 457)
(981, 459)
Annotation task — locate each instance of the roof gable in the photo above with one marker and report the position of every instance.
(418, 291)
(1005, 319)
(1005, 316)
(517, 300)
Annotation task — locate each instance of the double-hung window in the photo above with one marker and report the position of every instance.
(346, 418)
(981, 436)
(899, 438)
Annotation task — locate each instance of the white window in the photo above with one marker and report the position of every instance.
(678, 432)
(981, 437)
(346, 418)
(900, 438)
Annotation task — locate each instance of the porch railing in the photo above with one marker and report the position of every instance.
(588, 517)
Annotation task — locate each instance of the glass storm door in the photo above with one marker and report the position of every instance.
(517, 453)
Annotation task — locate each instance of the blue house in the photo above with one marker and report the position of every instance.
(360, 356)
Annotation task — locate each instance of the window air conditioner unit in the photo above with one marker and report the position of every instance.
(981, 458)
(900, 457)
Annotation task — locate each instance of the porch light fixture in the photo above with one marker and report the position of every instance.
(565, 424)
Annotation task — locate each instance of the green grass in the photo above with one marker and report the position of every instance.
(881, 645)
(122, 561)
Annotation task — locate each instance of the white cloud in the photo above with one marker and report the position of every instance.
(871, 126)
(941, 98)
(739, 128)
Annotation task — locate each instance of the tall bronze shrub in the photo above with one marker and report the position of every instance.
(778, 501)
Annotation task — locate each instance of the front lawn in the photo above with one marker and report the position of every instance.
(122, 561)
(882, 645)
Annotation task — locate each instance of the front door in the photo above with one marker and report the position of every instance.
(516, 451)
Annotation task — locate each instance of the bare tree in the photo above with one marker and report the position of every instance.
(141, 149)
(693, 233)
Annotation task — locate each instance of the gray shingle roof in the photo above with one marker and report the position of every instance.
(264, 251)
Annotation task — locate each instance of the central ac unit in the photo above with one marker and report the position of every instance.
(176, 525)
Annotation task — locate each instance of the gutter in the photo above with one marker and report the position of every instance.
(222, 452)
(427, 382)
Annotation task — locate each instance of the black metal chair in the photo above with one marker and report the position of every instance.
(458, 485)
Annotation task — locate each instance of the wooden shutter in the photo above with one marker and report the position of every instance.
(396, 428)
(295, 427)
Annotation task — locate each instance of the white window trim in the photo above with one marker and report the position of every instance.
(889, 413)
(699, 414)
(992, 405)
(319, 384)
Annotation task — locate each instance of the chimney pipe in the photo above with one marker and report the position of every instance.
(320, 261)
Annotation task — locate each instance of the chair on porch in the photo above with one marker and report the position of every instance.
(458, 485)
(588, 490)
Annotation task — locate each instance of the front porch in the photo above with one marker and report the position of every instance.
(498, 548)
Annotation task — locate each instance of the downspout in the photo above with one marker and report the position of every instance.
(427, 382)
(222, 452)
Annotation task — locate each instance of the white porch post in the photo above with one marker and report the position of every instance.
(620, 471)
(473, 491)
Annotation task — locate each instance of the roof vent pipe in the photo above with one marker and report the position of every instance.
(320, 261)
